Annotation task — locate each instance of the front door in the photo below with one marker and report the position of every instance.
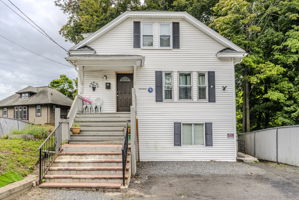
(124, 92)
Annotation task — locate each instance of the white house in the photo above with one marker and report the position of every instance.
(172, 75)
(183, 75)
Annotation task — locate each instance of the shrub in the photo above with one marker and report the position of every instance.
(37, 131)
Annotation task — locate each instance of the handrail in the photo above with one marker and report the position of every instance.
(124, 152)
(74, 109)
(48, 150)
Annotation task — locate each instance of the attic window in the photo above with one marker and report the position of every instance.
(25, 95)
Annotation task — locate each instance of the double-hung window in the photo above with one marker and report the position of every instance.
(192, 134)
(147, 35)
(165, 35)
(167, 86)
(202, 86)
(185, 85)
(38, 111)
(4, 112)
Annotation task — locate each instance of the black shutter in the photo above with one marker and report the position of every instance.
(177, 133)
(211, 85)
(159, 86)
(176, 35)
(136, 39)
(209, 134)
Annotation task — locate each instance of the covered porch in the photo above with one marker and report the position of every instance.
(106, 81)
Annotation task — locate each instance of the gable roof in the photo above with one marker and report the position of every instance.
(159, 14)
(43, 95)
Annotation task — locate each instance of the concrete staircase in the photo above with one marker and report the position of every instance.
(100, 128)
(93, 158)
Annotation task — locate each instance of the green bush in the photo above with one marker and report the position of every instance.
(37, 131)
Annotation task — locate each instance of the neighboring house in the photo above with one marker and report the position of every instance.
(35, 105)
(183, 79)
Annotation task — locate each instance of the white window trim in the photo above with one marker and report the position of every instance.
(170, 47)
(172, 84)
(197, 86)
(204, 135)
(178, 86)
(141, 38)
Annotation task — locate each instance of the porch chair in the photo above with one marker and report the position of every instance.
(97, 105)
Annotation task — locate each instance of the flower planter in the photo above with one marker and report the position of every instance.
(75, 131)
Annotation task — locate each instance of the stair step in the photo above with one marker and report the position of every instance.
(103, 128)
(81, 185)
(102, 124)
(91, 119)
(104, 176)
(100, 133)
(95, 141)
(91, 148)
(86, 168)
(90, 153)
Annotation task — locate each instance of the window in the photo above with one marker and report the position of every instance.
(38, 111)
(167, 85)
(202, 86)
(193, 134)
(4, 112)
(165, 35)
(21, 112)
(147, 35)
(185, 85)
(24, 95)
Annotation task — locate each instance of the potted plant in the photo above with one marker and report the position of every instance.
(75, 128)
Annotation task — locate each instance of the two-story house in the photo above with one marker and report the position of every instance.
(176, 74)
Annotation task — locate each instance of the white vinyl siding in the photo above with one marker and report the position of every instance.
(197, 53)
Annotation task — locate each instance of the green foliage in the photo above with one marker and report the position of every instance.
(17, 159)
(9, 177)
(76, 125)
(65, 85)
(36, 131)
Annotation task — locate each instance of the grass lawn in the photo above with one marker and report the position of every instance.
(17, 159)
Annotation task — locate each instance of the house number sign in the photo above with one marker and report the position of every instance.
(150, 89)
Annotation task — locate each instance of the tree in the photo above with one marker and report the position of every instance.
(65, 85)
(267, 79)
(87, 16)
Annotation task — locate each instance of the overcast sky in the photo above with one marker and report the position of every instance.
(19, 68)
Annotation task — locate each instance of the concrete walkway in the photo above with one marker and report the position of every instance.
(195, 180)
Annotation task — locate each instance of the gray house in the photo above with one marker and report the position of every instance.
(35, 105)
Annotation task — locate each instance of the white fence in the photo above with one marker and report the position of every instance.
(280, 144)
(8, 125)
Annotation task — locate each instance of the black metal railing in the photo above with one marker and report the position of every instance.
(48, 150)
(124, 152)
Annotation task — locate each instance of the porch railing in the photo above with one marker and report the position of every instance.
(124, 151)
(76, 106)
(48, 151)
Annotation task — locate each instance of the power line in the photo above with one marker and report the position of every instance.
(32, 23)
(29, 50)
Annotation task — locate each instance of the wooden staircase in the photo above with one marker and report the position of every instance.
(93, 159)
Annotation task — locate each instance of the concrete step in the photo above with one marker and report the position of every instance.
(103, 129)
(88, 163)
(101, 133)
(96, 119)
(91, 148)
(95, 141)
(89, 155)
(86, 170)
(104, 115)
(100, 124)
(82, 185)
(85, 178)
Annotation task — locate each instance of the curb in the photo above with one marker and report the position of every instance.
(13, 190)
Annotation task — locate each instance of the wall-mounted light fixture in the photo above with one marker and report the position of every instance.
(224, 87)
(93, 85)
(105, 77)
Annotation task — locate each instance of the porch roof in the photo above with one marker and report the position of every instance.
(105, 62)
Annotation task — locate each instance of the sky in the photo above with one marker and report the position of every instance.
(20, 68)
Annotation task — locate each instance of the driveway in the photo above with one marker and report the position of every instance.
(195, 180)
